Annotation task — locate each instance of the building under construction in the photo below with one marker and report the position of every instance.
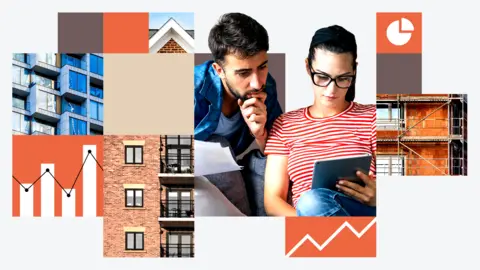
(422, 134)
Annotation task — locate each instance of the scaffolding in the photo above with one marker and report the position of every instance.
(426, 129)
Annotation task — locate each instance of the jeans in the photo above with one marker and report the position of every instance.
(326, 202)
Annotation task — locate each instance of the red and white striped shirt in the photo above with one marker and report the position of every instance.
(305, 139)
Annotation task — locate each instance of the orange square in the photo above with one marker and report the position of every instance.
(399, 32)
(330, 237)
(125, 33)
(67, 155)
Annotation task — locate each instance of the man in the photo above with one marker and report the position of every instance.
(236, 99)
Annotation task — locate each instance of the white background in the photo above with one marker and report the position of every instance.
(423, 222)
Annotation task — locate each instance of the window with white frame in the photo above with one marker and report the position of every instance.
(389, 116)
(390, 165)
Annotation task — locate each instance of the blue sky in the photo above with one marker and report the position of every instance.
(185, 19)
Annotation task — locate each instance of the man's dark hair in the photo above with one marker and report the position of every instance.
(237, 33)
(335, 39)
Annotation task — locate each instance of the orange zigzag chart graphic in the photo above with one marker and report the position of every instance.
(330, 236)
(57, 176)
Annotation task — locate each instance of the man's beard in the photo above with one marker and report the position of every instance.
(237, 94)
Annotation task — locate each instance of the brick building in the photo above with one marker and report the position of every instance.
(422, 134)
(148, 191)
(171, 38)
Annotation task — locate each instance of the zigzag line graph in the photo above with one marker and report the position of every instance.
(346, 224)
(56, 181)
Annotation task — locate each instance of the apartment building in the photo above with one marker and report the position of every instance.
(422, 134)
(149, 209)
(57, 94)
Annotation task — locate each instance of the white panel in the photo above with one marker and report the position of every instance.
(90, 182)
(48, 190)
(68, 203)
(26, 201)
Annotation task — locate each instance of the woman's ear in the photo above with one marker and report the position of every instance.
(307, 66)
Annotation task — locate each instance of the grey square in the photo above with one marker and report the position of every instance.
(399, 73)
(80, 32)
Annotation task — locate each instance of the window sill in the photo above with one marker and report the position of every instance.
(134, 165)
(135, 251)
(135, 208)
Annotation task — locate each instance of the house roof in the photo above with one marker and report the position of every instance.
(152, 32)
(171, 29)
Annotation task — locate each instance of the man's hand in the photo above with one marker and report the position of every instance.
(366, 195)
(254, 113)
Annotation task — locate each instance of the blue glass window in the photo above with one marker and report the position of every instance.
(77, 126)
(96, 64)
(74, 62)
(96, 110)
(77, 81)
(96, 92)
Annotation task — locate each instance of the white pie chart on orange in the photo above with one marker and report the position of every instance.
(399, 32)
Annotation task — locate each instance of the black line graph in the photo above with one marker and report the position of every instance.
(56, 181)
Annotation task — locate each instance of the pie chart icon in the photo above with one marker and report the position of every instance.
(399, 32)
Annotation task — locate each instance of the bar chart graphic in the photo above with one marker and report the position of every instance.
(57, 176)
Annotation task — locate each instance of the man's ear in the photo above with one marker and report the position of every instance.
(219, 70)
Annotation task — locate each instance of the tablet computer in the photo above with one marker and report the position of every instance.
(327, 172)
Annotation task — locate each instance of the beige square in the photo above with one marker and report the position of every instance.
(148, 94)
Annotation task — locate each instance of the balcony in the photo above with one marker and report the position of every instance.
(44, 105)
(41, 129)
(18, 108)
(96, 79)
(177, 213)
(73, 84)
(16, 132)
(75, 62)
(44, 63)
(46, 115)
(96, 125)
(175, 170)
(177, 250)
(20, 89)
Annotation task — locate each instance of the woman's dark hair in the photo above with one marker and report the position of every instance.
(239, 34)
(335, 39)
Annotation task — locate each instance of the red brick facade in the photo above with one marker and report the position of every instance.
(117, 217)
(172, 47)
(149, 218)
(425, 145)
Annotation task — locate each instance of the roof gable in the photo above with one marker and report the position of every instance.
(171, 30)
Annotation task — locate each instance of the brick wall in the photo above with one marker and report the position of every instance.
(116, 216)
(435, 124)
(414, 164)
(172, 47)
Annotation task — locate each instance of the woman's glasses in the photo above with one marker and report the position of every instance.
(323, 79)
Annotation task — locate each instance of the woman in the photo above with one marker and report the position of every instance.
(333, 126)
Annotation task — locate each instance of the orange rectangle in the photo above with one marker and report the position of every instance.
(125, 33)
(67, 154)
(330, 236)
(399, 33)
